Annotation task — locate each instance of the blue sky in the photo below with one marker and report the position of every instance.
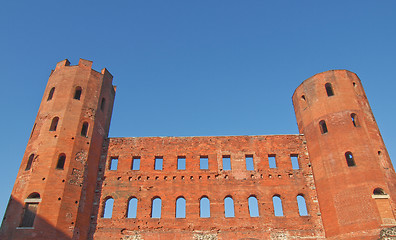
(193, 68)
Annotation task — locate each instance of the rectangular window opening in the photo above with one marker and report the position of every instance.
(136, 163)
(249, 162)
(272, 160)
(158, 163)
(226, 162)
(113, 163)
(204, 162)
(181, 163)
(294, 161)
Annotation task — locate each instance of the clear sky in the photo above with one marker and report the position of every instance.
(193, 68)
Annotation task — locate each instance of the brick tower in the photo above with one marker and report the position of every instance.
(354, 177)
(53, 193)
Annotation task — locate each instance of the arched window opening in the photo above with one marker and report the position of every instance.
(132, 208)
(303, 97)
(29, 163)
(181, 207)
(323, 127)
(349, 159)
(329, 89)
(156, 208)
(204, 207)
(302, 206)
(354, 119)
(108, 208)
(103, 104)
(253, 206)
(54, 124)
(277, 202)
(229, 207)
(61, 161)
(84, 129)
(30, 210)
(379, 191)
(51, 94)
(77, 93)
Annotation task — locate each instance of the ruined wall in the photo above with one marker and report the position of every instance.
(192, 183)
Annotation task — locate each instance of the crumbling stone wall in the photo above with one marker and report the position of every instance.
(215, 183)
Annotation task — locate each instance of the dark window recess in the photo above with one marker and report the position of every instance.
(29, 214)
(51, 94)
(30, 210)
(31, 134)
(103, 104)
(77, 93)
(29, 163)
(354, 119)
(84, 129)
(349, 159)
(379, 191)
(54, 124)
(61, 161)
(323, 127)
(329, 89)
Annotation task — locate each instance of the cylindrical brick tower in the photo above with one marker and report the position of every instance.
(354, 176)
(53, 193)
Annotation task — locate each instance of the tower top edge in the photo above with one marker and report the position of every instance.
(84, 64)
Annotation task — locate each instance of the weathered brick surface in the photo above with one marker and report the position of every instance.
(341, 200)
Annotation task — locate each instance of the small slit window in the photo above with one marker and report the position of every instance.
(253, 206)
(379, 191)
(108, 208)
(61, 161)
(323, 127)
(51, 94)
(103, 104)
(132, 208)
(204, 207)
(77, 93)
(302, 206)
(29, 163)
(156, 208)
(226, 163)
(54, 124)
(354, 119)
(181, 163)
(30, 210)
(31, 134)
(84, 129)
(278, 209)
(349, 159)
(329, 89)
(181, 207)
(229, 207)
